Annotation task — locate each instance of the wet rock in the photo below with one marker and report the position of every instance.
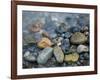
(72, 57)
(59, 55)
(65, 45)
(44, 55)
(67, 34)
(78, 38)
(45, 42)
(82, 48)
(29, 57)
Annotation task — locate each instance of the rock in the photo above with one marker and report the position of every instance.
(74, 29)
(85, 28)
(44, 55)
(86, 55)
(67, 34)
(53, 35)
(45, 42)
(72, 57)
(62, 28)
(86, 33)
(78, 38)
(82, 48)
(59, 55)
(28, 39)
(73, 48)
(65, 45)
(29, 57)
(37, 36)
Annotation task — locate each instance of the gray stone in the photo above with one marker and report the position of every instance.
(29, 57)
(82, 48)
(78, 38)
(59, 55)
(44, 55)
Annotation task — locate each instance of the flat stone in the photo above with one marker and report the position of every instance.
(78, 38)
(45, 54)
(45, 42)
(58, 53)
(82, 48)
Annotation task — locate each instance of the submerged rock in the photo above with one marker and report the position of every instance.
(67, 34)
(72, 57)
(44, 55)
(78, 38)
(82, 48)
(59, 55)
(45, 42)
(29, 57)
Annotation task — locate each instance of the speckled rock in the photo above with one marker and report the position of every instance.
(72, 57)
(82, 48)
(67, 34)
(58, 54)
(29, 57)
(45, 42)
(44, 55)
(78, 38)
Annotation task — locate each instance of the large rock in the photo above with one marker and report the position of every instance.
(72, 57)
(45, 42)
(58, 53)
(82, 48)
(44, 55)
(78, 38)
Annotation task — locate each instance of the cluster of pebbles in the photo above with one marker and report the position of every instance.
(57, 46)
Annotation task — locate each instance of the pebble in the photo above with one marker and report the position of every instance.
(58, 53)
(29, 57)
(67, 34)
(72, 57)
(45, 54)
(78, 38)
(82, 48)
(65, 45)
(75, 29)
(45, 42)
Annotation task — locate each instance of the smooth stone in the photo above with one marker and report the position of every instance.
(72, 57)
(81, 56)
(45, 54)
(82, 48)
(58, 53)
(45, 42)
(78, 38)
(67, 34)
(65, 45)
(29, 57)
